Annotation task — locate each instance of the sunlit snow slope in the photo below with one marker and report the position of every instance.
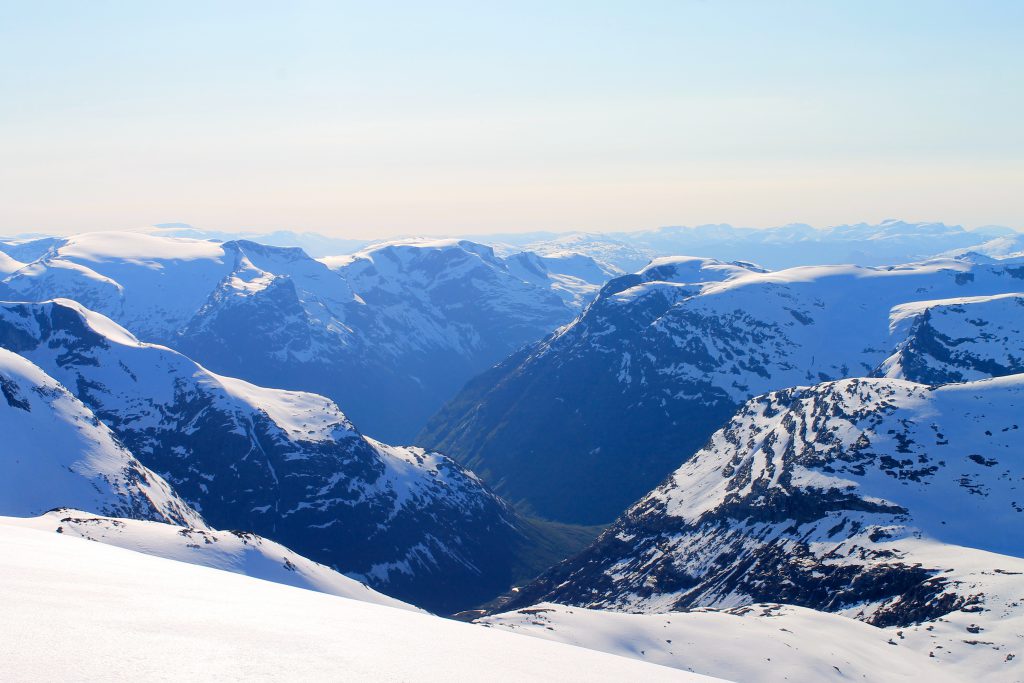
(75, 610)
(747, 644)
(234, 551)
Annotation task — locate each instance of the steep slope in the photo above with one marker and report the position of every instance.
(884, 500)
(958, 340)
(662, 358)
(753, 643)
(286, 465)
(8, 265)
(176, 620)
(234, 551)
(427, 316)
(56, 453)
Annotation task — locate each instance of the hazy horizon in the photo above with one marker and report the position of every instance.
(243, 231)
(369, 122)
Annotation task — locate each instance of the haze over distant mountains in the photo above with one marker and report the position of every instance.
(796, 244)
(890, 241)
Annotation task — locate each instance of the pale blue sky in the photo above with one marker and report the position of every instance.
(369, 119)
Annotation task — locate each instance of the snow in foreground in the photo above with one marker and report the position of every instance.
(234, 551)
(747, 644)
(75, 610)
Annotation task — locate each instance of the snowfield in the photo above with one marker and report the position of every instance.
(75, 610)
(754, 643)
(233, 551)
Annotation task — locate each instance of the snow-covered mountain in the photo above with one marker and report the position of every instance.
(764, 642)
(55, 452)
(884, 500)
(618, 250)
(75, 610)
(437, 313)
(1003, 246)
(8, 265)
(240, 552)
(287, 465)
(957, 340)
(390, 333)
(608, 405)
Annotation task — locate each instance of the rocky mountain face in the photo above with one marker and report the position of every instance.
(55, 452)
(958, 340)
(436, 313)
(287, 465)
(390, 333)
(892, 502)
(662, 358)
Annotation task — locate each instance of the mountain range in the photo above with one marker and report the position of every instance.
(717, 466)
(664, 357)
(284, 464)
(392, 332)
(888, 501)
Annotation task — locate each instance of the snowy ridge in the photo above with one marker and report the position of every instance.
(8, 265)
(56, 453)
(957, 340)
(287, 465)
(234, 551)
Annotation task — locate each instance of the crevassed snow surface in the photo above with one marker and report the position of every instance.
(75, 610)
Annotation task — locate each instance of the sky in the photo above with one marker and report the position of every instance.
(368, 119)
